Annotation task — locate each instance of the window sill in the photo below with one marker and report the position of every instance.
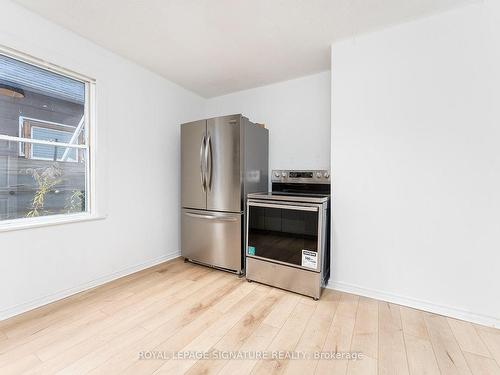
(20, 224)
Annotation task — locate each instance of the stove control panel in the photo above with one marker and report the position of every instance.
(319, 176)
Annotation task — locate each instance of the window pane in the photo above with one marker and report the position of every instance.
(54, 153)
(36, 188)
(52, 135)
(46, 152)
(35, 97)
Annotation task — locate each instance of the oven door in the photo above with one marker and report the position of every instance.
(285, 233)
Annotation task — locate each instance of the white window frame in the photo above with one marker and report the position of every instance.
(90, 145)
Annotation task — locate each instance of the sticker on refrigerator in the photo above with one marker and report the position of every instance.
(309, 259)
(251, 250)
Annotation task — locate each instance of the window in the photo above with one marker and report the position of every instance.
(44, 140)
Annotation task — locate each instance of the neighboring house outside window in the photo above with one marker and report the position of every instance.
(44, 152)
(44, 141)
(48, 131)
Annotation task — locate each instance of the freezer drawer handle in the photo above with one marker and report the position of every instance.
(210, 217)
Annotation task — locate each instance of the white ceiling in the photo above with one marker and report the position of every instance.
(214, 47)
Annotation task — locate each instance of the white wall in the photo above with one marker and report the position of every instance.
(297, 114)
(138, 169)
(416, 160)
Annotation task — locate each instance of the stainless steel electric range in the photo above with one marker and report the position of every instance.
(288, 232)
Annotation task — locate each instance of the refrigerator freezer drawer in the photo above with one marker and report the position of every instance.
(212, 238)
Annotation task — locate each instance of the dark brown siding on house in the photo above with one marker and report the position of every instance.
(17, 185)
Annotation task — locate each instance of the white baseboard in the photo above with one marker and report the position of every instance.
(19, 309)
(417, 304)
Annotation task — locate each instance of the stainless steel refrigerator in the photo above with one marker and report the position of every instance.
(222, 160)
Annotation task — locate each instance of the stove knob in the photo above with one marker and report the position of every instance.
(276, 174)
(283, 174)
(318, 174)
(326, 175)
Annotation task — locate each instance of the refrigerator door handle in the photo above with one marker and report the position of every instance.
(210, 217)
(202, 164)
(208, 163)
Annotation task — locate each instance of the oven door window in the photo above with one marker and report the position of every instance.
(286, 234)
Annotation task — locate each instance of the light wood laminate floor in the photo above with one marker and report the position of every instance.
(183, 308)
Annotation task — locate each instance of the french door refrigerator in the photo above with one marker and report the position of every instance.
(222, 160)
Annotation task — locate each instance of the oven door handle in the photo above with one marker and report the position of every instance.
(284, 206)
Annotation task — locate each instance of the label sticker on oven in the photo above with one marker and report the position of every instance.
(251, 250)
(309, 259)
